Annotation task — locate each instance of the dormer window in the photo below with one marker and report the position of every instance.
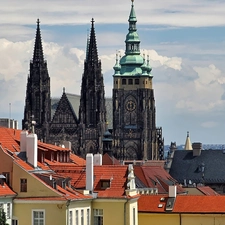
(105, 184)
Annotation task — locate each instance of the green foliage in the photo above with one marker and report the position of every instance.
(3, 218)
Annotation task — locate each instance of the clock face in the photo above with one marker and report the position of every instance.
(130, 105)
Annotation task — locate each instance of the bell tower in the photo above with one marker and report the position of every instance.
(134, 123)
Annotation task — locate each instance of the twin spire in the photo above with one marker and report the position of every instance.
(38, 50)
(92, 52)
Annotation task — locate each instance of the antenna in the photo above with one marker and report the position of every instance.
(9, 111)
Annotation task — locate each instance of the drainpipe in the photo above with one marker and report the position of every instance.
(67, 211)
(125, 212)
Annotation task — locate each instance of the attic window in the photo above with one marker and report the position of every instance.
(23, 185)
(105, 184)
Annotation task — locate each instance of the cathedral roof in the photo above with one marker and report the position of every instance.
(74, 102)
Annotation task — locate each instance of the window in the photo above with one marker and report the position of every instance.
(8, 212)
(134, 217)
(136, 81)
(38, 217)
(23, 185)
(71, 218)
(77, 218)
(130, 81)
(14, 222)
(82, 217)
(6, 174)
(105, 184)
(124, 81)
(1, 206)
(88, 216)
(98, 216)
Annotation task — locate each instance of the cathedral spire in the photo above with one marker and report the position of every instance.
(92, 52)
(38, 51)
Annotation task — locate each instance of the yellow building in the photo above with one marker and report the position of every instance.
(181, 210)
(53, 186)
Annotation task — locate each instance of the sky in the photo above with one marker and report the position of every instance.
(185, 41)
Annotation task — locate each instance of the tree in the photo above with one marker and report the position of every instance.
(3, 218)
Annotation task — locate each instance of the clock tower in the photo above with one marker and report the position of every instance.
(134, 124)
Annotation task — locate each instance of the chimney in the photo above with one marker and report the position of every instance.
(197, 147)
(98, 159)
(89, 172)
(23, 138)
(172, 191)
(31, 149)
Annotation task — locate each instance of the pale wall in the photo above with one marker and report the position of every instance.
(54, 213)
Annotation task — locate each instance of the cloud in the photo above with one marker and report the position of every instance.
(209, 124)
(187, 13)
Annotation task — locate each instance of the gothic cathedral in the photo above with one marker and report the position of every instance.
(81, 120)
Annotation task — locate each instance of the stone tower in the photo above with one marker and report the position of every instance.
(38, 102)
(92, 111)
(134, 123)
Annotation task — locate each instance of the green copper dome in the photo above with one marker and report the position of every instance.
(132, 63)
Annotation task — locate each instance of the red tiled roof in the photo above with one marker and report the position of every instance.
(77, 160)
(69, 193)
(150, 203)
(156, 177)
(206, 190)
(117, 175)
(183, 204)
(8, 138)
(6, 191)
(107, 160)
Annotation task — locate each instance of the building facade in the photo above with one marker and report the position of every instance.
(82, 119)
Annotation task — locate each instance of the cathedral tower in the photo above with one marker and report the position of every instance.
(134, 124)
(92, 111)
(38, 103)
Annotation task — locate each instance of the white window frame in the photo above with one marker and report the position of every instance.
(98, 213)
(134, 216)
(82, 216)
(70, 217)
(38, 210)
(88, 216)
(77, 217)
(8, 210)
